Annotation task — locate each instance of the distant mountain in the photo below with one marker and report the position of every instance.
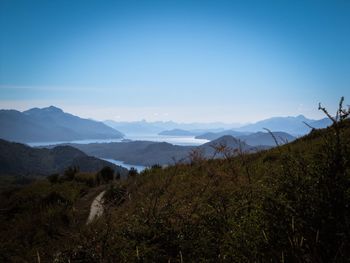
(145, 127)
(291, 125)
(148, 153)
(319, 124)
(253, 139)
(137, 127)
(215, 135)
(20, 159)
(265, 138)
(137, 152)
(210, 149)
(178, 132)
(51, 124)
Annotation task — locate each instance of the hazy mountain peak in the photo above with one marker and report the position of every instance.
(302, 117)
(292, 125)
(226, 140)
(51, 124)
(52, 109)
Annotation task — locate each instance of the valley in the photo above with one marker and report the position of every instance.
(174, 131)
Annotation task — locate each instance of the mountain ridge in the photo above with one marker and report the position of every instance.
(51, 124)
(292, 125)
(253, 139)
(149, 153)
(20, 159)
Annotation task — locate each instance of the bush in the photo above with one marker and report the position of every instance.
(69, 173)
(132, 172)
(117, 176)
(87, 178)
(53, 178)
(105, 175)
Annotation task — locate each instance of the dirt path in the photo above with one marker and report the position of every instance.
(96, 208)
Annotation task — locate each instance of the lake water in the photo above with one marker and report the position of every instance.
(37, 144)
(176, 140)
(139, 168)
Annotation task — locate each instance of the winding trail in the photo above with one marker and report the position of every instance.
(96, 209)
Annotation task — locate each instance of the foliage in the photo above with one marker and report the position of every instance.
(69, 173)
(35, 218)
(89, 179)
(106, 174)
(132, 172)
(53, 178)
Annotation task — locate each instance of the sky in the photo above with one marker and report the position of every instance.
(187, 61)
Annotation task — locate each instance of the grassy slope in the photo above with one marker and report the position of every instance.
(41, 217)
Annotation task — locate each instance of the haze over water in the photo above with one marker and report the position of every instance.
(176, 140)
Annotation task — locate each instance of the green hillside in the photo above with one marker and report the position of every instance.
(287, 204)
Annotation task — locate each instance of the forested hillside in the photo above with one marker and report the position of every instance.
(17, 159)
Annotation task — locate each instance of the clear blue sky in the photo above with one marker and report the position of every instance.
(232, 61)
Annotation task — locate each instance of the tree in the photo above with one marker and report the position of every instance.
(69, 173)
(133, 172)
(117, 176)
(53, 178)
(107, 174)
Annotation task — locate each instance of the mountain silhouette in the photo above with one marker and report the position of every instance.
(51, 124)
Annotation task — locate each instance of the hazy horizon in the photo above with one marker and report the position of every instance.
(185, 61)
(233, 124)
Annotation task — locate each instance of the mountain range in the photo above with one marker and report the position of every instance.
(215, 135)
(148, 153)
(292, 125)
(20, 159)
(51, 124)
(253, 139)
(145, 127)
(178, 132)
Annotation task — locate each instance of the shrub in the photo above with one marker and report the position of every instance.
(69, 173)
(133, 172)
(89, 179)
(53, 178)
(106, 174)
